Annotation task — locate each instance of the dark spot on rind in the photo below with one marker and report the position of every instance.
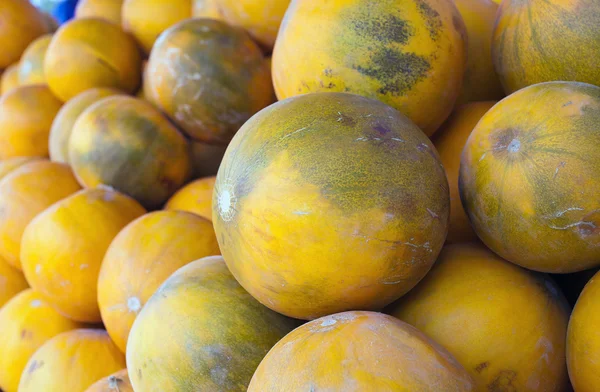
(330, 85)
(567, 104)
(482, 366)
(398, 72)
(503, 382)
(432, 19)
(35, 365)
(345, 120)
(381, 129)
(140, 374)
(328, 72)
(387, 29)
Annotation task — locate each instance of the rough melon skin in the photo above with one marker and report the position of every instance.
(583, 345)
(542, 41)
(91, 52)
(463, 304)
(71, 361)
(324, 183)
(359, 351)
(410, 54)
(209, 78)
(26, 323)
(20, 24)
(127, 144)
(201, 331)
(62, 126)
(529, 177)
(449, 141)
(31, 65)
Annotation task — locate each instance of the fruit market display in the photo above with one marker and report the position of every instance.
(300, 195)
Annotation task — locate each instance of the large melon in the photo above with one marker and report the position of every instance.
(196, 197)
(26, 192)
(126, 143)
(141, 258)
(20, 23)
(26, 322)
(505, 325)
(10, 79)
(410, 54)
(481, 83)
(201, 331)
(12, 282)
(62, 126)
(529, 177)
(26, 115)
(449, 142)
(330, 202)
(147, 19)
(71, 361)
(90, 52)
(359, 351)
(550, 40)
(261, 18)
(63, 247)
(209, 78)
(118, 382)
(109, 10)
(583, 344)
(31, 65)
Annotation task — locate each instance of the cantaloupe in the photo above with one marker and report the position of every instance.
(10, 78)
(91, 52)
(71, 361)
(583, 345)
(127, 144)
(410, 54)
(63, 247)
(206, 159)
(261, 18)
(147, 19)
(118, 382)
(62, 126)
(31, 65)
(141, 257)
(359, 351)
(209, 78)
(505, 325)
(109, 10)
(542, 41)
(20, 23)
(24, 193)
(330, 202)
(449, 142)
(196, 197)
(26, 323)
(26, 115)
(201, 331)
(529, 177)
(12, 282)
(481, 83)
